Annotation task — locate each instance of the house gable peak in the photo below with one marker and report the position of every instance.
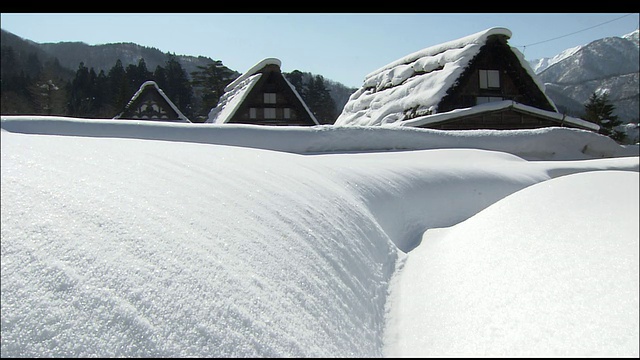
(252, 71)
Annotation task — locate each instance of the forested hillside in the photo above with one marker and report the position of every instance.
(80, 80)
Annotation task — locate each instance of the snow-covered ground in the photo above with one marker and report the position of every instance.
(139, 239)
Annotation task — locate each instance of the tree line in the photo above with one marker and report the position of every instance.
(33, 87)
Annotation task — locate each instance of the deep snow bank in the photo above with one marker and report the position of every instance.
(121, 247)
(126, 247)
(536, 144)
(550, 271)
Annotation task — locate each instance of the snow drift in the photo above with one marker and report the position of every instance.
(136, 239)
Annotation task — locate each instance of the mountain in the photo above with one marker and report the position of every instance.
(69, 55)
(609, 64)
(539, 65)
(103, 57)
(24, 55)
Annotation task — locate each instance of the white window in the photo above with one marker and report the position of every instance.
(487, 99)
(287, 113)
(489, 79)
(253, 113)
(269, 98)
(269, 113)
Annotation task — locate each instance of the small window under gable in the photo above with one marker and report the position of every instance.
(253, 113)
(287, 113)
(269, 98)
(270, 113)
(489, 79)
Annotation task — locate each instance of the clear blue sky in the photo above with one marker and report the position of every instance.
(343, 47)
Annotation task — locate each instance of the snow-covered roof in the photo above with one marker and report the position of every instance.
(254, 69)
(237, 91)
(495, 106)
(419, 81)
(142, 89)
(232, 98)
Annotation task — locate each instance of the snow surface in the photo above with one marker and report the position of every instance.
(140, 239)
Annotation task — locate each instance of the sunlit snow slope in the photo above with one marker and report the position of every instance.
(140, 247)
(549, 271)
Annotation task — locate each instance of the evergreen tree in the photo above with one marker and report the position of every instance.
(80, 93)
(119, 87)
(173, 80)
(296, 78)
(138, 74)
(105, 108)
(320, 102)
(160, 76)
(599, 110)
(210, 82)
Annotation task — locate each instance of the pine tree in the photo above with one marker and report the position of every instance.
(210, 82)
(296, 78)
(80, 93)
(138, 74)
(176, 85)
(119, 87)
(599, 110)
(320, 101)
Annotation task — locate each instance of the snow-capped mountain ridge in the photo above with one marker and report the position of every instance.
(539, 65)
(605, 65)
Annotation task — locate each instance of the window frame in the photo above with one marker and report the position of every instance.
(270, 113)
(269, 98)
(489, 79)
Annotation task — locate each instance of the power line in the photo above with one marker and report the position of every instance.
(524, 47)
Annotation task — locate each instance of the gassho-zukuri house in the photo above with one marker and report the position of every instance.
(151, 103)
(476, 82)
(262, 96)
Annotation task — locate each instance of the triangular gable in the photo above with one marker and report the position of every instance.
(416, 84)
(241, 102)
(151, 103)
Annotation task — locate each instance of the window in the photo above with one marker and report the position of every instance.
(487, 99)
(489, 79)
(287, 113)
(269, 98)
(270, 113)
(253, 113)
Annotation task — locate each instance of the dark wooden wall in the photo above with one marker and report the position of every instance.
(272, 81)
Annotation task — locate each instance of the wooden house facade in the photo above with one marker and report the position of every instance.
(262, 96)
(151, 103)
(459, 78)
